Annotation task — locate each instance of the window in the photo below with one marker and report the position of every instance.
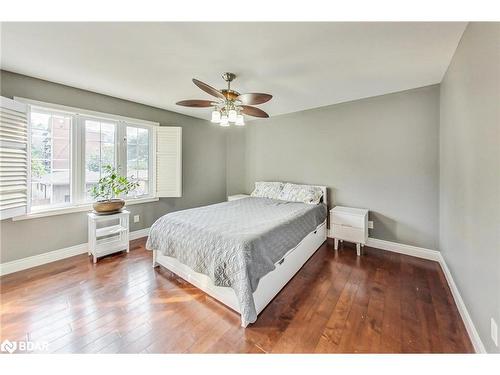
(138, 158)
(70, 149)
(100, 150)
(52, 154)
(50, 158)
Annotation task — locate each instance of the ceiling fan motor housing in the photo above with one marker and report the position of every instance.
(230, 94)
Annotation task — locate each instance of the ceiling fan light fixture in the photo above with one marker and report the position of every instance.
(224, 121)
(240, 121)
(232, 114)
(215, 116)
(229, 104)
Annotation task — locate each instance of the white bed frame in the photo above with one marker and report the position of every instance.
(269, 285)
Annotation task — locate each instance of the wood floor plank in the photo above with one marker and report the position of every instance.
(381, 302)
(391, 337)
(334, 328)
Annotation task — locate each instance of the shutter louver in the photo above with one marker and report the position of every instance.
(13, 158)
(169, 161)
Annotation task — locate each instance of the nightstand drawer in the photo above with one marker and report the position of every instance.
(341, 218)
(348, 233)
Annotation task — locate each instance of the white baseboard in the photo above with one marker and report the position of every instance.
(52, 256)
(38, 260)
(415, 251)
(436, 256)
(469, 324)
(138, 234)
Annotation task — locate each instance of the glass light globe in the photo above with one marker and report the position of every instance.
(224, 121)
(232, 115)
(240, 121)
(215, 116)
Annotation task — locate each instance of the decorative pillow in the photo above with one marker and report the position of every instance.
(301, 193)
(265, 189)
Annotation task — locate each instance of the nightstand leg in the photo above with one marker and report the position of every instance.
(358, 249)
(335, 244)
(91, 237)
(154, 258)
(95, 259)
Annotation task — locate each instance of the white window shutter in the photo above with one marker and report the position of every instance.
(169, 161)
(13, 158)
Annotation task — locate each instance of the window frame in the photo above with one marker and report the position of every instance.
(77, 154)
(81, 154)
(72, 186)
(122, 157)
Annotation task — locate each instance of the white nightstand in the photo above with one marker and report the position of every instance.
(237, 196)
(349, 224)
(108, 233)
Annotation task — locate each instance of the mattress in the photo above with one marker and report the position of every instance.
(235, 243)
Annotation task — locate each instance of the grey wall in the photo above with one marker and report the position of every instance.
(236, 161)
(380, 153)
(204, 172)
(470, 173)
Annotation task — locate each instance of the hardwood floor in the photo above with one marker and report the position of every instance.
(382, 302)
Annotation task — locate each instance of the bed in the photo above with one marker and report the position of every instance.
(240, 252)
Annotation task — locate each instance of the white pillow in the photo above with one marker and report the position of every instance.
(265, 189)
(301, 193)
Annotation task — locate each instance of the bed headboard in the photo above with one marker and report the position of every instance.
(323, 189)
(325, 195)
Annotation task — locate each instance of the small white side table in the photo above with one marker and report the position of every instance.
(349, 224)
(108, 233)
(237, 196)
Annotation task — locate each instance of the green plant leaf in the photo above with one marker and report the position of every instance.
(112, 185)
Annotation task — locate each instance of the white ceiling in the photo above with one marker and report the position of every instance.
(304, 65)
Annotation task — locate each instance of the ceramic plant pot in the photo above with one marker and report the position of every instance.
(109, 206)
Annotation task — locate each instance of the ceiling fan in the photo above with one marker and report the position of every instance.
(230, 106)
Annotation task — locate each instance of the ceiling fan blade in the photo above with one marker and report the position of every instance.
(208, 89)
(196, 103)
(253, 111)
(254, 98)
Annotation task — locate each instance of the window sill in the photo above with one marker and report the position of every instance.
(79, 208)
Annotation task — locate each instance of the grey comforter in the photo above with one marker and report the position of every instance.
(235, 243)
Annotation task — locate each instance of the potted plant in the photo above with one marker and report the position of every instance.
(108, 190)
